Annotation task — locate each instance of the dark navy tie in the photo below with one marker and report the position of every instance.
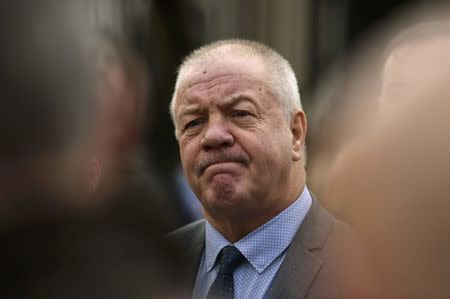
(223, 286)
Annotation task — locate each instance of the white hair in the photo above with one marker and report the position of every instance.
(280, 77)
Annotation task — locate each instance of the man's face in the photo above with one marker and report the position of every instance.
(235, 140)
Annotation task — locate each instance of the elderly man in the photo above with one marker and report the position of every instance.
(241, 132)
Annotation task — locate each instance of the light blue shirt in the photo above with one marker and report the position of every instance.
(264, 249)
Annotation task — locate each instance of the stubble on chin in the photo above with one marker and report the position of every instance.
(218, 195)
(222, 186)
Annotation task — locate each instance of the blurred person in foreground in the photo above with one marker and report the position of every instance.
(241, 131)
(399, 170)
(55, 243)
(121, 175)
(45, 113)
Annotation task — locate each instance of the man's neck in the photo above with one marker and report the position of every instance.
(239, 222)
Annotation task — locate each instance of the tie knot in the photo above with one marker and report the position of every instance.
(230, 259)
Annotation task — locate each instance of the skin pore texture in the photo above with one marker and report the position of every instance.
(241, 154)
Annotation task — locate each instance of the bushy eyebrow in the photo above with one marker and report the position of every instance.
(190, 110)
(235, 99)
(226, 103)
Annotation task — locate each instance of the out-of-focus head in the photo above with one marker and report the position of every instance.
(415, 55)
(241, 130)
(62, 105)
(381, 77)
(390, 183)
(46, 90)
(121, 95)
(46, 76)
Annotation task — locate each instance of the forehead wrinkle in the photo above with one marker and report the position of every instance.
(237, 98)
(234, 84)
(226, 102)
(183, 91)
(211, 81)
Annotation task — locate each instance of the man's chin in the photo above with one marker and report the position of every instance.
(223, 194)
(222, 185)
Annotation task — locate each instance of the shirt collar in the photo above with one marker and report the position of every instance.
(214, 243)
(262, 246)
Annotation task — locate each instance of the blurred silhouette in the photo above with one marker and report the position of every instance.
(46, 113)
(390, 181)
(78, 216)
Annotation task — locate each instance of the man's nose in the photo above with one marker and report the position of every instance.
(217, 135)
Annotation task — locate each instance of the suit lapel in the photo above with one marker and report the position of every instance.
(190, 241)
(300, 266)
(195, 252)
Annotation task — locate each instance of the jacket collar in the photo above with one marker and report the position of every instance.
(300, 267)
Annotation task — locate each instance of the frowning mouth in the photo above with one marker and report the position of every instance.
(223, 162)
(222, 167)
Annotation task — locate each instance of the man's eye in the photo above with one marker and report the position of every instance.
(240, 113)
(193, 123)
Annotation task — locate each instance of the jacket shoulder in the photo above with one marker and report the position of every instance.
(346, 270)
(187, 232)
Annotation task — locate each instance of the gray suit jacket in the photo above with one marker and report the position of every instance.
(324, 259)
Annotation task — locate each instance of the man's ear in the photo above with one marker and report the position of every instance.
(298, 129)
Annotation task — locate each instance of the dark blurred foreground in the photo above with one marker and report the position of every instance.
(387, 171)
(80, 216)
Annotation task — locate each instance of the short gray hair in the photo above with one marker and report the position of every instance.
(280, 76)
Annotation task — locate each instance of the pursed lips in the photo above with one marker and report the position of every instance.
(222, 162)
(222, 167)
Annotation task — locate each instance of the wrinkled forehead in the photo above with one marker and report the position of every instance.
(215, 67)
